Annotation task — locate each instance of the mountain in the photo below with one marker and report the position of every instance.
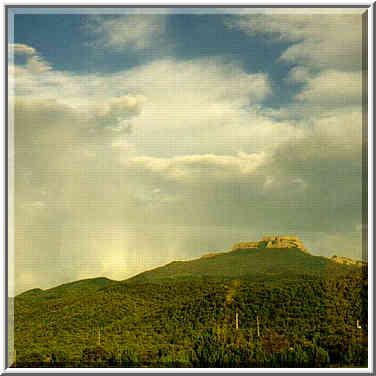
(253, 261)
(253, 264)
(253, 307)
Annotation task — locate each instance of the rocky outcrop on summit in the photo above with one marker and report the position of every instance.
(283, 242)
(245, 245)
(347, 261)
(272, 242)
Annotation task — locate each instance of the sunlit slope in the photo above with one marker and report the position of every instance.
(158, 317)
(249, 264)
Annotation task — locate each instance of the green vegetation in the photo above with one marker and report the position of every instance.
(249, 264)
(84, 286)
(292, 310)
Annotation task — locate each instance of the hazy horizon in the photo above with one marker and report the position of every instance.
(217, 251)
(142, 137)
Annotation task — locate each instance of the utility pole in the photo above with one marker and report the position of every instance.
(236, 321)
(258, 326)
(99, 336)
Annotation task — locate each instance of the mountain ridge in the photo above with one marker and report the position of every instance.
(250, 264)
(278, 262)
(87, 284)
(171, 316)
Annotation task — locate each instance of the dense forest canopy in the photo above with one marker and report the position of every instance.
(309, 314)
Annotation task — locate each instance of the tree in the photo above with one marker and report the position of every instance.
(95, 356)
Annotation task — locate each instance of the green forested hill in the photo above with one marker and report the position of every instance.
(292, 310)
(249, 264)
(84, 286)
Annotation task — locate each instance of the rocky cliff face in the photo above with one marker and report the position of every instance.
(272, 242)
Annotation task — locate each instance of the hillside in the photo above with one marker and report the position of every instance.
(179, 323)
(84, 286)
(253, 261)
(255, 307)
(253, 264)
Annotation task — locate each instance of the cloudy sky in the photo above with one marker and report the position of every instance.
(146, 136)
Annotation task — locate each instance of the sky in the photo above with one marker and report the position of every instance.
(142, 136)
